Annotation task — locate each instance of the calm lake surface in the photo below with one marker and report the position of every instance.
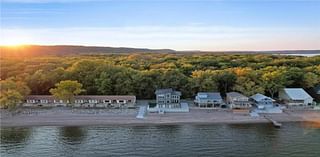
(293, 139)
(297, 54)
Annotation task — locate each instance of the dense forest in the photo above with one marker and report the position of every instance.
(141, 74)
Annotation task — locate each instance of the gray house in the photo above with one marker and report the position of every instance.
(208, 99)
(238, 101)
(262, 101)
(168, 98)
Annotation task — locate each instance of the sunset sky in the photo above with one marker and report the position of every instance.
(181, 25)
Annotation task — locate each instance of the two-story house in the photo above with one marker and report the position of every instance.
(238, 101)
(167, 98)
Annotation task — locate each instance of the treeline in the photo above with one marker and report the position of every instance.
(141, 74)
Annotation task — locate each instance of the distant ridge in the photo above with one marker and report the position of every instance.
(36, 50)
(39, 50)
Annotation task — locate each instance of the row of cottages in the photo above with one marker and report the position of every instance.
(208, 99)
(83, 101)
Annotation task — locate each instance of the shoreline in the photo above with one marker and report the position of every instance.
(147, 124)
(127, 117)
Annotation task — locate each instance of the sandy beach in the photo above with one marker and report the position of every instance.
(87, 117)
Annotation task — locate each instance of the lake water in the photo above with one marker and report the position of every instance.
(256, 140)
(297, 54)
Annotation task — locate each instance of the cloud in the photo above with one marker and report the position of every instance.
(179, 37)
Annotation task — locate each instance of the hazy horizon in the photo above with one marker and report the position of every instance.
(179, 25)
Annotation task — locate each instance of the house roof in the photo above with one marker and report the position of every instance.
(259, 97)
(106, 97)
(40, 97)
(296, 93)
(167, 90)
(209, 95)
(96, 97)
(235, 94)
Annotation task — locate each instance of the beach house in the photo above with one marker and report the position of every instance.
(208, 99)
(295, 97)
(236, 100)
(261, 101)
(83, 101)
(167, 98)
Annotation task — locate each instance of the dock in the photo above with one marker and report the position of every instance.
(275, 123)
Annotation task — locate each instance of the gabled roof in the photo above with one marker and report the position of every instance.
(209, 95)
(296, 93)
(167, 90)
(106, 97)
(84, 97)
(259, 97)
(39, 97)
(235, 94)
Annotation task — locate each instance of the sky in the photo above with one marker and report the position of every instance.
(209, 25)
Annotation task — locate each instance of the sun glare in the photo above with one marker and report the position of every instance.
(13, 44)
(16, 41)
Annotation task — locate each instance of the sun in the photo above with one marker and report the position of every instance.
(15, 40)
(13, 44)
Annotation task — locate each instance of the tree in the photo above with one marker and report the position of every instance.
(86, 71)
(274, 80)
(294, 76)
(66, 90)
(12, 93)
(310, 80)
(42, 81)
(146, 82)
(247, 82)
(225, 80)
(203, 81)
(247, 86)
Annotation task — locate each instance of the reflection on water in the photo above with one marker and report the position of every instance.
(72, 135)
(14, 139)
(293, 139)
(14, 135)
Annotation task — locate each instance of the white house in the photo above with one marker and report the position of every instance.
(295, 97)
(262, 101)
